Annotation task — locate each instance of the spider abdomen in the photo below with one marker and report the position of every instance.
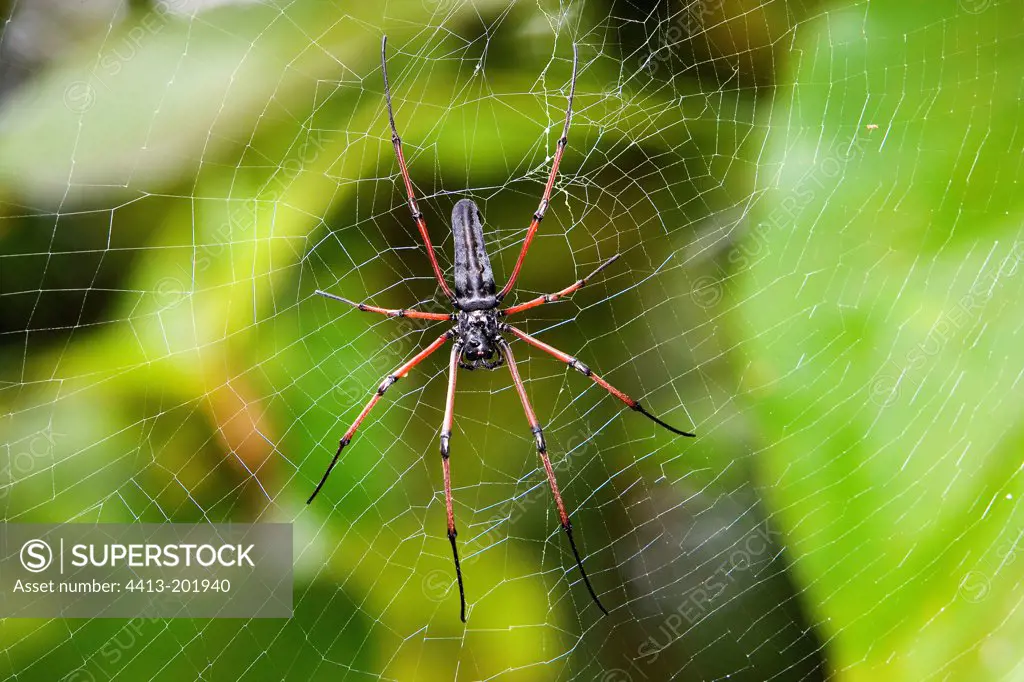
(474, 279)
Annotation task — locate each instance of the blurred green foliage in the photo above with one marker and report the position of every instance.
(817, 210)
(882, 323)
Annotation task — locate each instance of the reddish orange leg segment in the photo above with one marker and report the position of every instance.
(417, 216)
(446, 436)
(568, 291)
(587, 372)
(388, 381)
(546, 199)
(542, 450)
(390, 312)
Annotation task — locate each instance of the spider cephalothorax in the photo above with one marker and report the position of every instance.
(477, 334)
(477, 331)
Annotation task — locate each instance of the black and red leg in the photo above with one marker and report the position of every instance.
(568, 291)
(417, 215)
(546, 198)
(587, 372)
(388, 381)
(390, 312)
(542, 450)
(446, 436)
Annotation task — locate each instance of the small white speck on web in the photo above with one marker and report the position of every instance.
(1009, 496)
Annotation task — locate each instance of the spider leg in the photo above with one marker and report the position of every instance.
(417, 216)
(546, 199)
(390, 312)
(390, 379)
(446, 435)
(568, 291)
(542, 450)
(587, 372)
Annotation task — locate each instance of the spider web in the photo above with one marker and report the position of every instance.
(186, 176)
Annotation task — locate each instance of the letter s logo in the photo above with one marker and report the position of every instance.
(36, 556)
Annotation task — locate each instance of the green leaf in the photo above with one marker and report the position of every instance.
(166, 97)
(880, 297)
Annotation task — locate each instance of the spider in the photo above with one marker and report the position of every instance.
(479, 328)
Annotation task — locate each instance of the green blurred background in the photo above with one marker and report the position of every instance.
(819, 209)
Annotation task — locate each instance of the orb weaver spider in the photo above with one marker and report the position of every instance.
(479, 325)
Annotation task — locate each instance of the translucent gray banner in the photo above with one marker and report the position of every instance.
(172, 570)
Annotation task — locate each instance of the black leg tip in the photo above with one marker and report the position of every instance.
(639, 408)
(316, 491)
(567, 527)
(458, 575)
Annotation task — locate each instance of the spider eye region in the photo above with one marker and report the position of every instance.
(478, 333)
